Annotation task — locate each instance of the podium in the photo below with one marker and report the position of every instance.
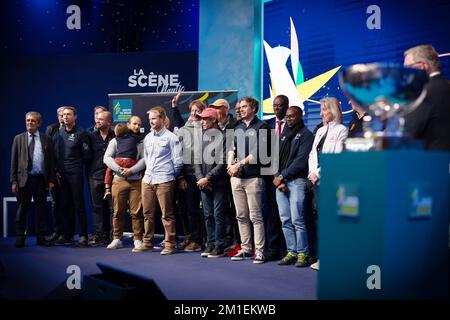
(383, 225)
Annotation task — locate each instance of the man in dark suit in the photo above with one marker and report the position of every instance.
(32, 174)
(275, 243)
(430, 122)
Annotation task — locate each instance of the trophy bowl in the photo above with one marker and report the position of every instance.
(387, 92)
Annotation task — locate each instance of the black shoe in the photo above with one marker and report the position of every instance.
(217, 253)
(97, 241)
(209, 249)
(83, 242)
(20, 242)
(62, 241)
(272, 256)
(53, 237)
(43, 242)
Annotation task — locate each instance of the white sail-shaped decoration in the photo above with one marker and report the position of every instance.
(279, 74)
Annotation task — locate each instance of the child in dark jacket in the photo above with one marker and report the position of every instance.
(126, 153)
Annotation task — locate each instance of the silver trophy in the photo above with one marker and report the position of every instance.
(387, 92)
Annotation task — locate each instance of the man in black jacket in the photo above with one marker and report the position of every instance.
(56, 191)
(72, 152)
(32, 174)
(290, 181)
(99, 138)
(431, 120)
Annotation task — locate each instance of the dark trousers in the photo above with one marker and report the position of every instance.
(191, 208)
(36, 188)
(56, 210)
(72, 196)
(101, 208)
(214, 204)
(231, 225)
(311, 218)
(275, 243)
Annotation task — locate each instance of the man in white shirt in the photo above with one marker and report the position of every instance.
(164, 162)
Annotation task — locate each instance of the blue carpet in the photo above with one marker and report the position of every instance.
(34, 271)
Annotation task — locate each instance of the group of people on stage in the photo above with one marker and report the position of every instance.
(211, 174)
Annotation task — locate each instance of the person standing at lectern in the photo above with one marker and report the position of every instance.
(430, 122)
(32, 174)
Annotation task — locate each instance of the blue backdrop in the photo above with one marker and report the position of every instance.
(44, 83)
(334, 32)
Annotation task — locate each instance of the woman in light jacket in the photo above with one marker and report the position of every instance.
(329, 139)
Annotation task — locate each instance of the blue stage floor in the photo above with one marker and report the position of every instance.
(34, 271)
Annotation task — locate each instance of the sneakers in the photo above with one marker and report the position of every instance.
(107, 194)
(259, 258)
(185, 243)
(242, 255)
(139, 246)
(96, 241)
(288, 259)
(115, 244)
(62, 241)
(216, 253)
(137, 243)
(53, 237)
(168, 250)
(193, 247)
(209, 249)
(302, 260)
(315, 266)
(234, 251)
(83, 242)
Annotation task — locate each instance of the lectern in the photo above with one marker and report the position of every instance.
(383, 225)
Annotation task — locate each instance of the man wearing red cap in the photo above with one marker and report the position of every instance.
(210, 172)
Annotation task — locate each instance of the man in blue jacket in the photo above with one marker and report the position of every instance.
(296, 143)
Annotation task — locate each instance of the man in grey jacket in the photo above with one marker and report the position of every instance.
(211, 179)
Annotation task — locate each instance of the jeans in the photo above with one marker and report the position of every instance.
(291, 205)
(214, 205)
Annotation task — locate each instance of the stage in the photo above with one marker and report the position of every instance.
(34, 272)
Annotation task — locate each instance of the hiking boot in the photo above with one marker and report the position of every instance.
(209, 249)
(302, 260)
(193, 247)
(115, 244)
(242, 255)
(288, 259)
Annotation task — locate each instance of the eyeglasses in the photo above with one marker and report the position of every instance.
(290, 116)
(277, 104)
